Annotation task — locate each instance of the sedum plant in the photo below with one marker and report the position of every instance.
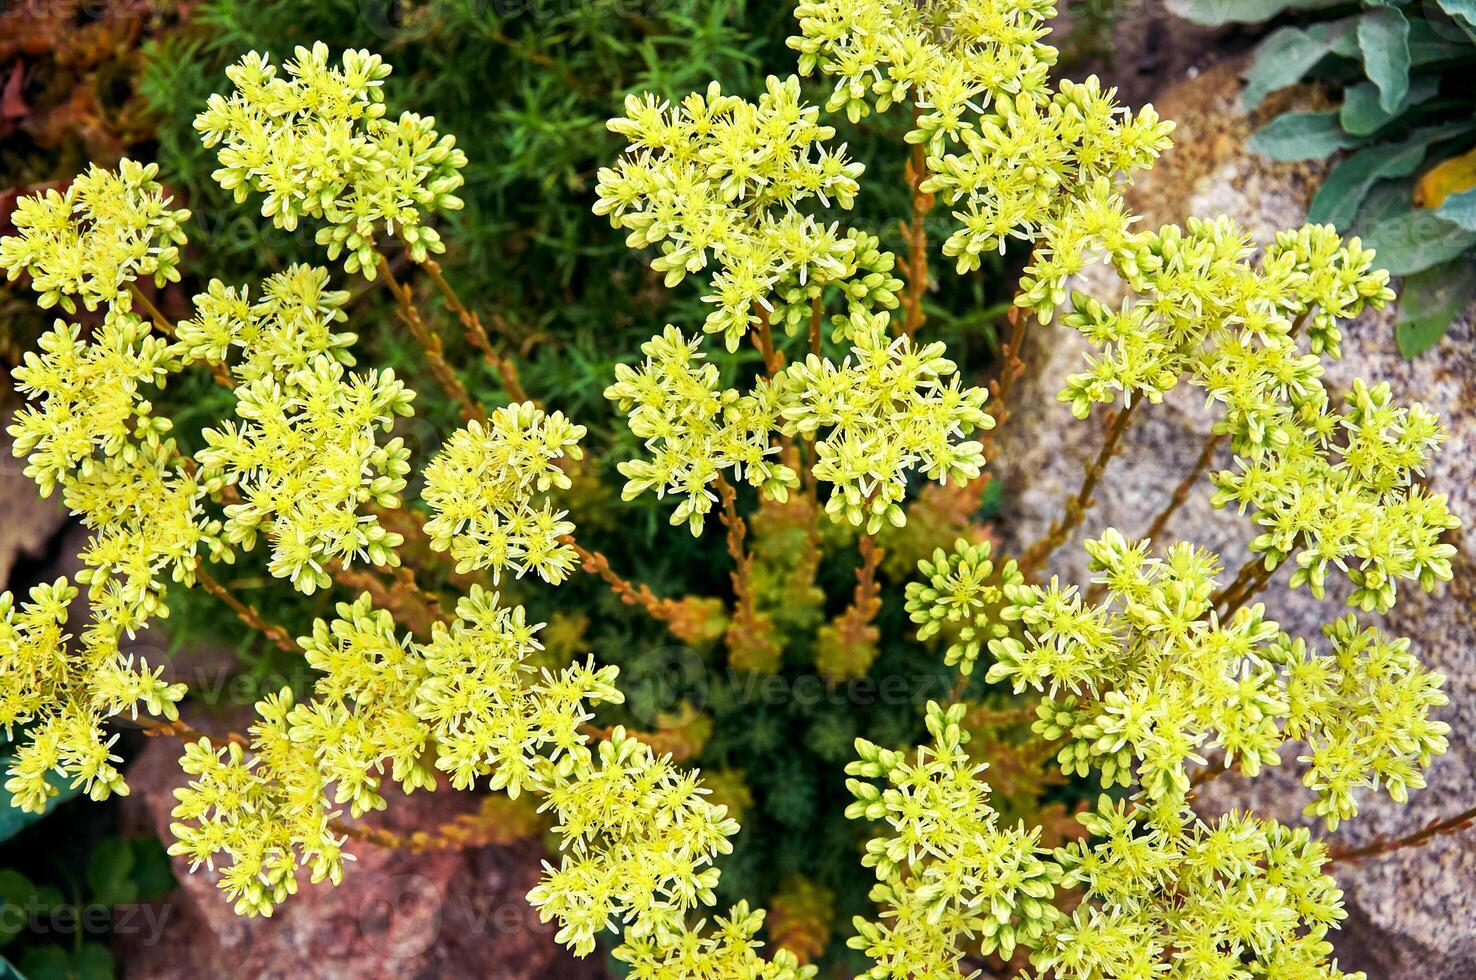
(847, 437)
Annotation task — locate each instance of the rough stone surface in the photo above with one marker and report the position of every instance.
(28, 524)
(442, 915)
(1412, 913)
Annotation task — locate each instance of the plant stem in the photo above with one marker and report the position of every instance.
(594, 563)
(1077, 506)
(163, 325)
(506, 369)
(248, 615)
(159, 728)
(430, 343)
(1449, 825)
(1250, 580)
(817, 314)
(737, 536)
(999, 389)
(1209, 773)
(160, 320)
(866, 600)
(763, 339)
(1186, 485)
(915, 232)
(410, 606)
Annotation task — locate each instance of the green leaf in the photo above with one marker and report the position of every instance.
(152, 872)
(109, 870)
(14, 820)
(1362, 113)
(1301, 136)
(1347, 184)
(1286, 56)
(1430, 302)
(45, 963)
(1461, 10)
(1416, 240)
(1214, 13)
(16, 891)
(1428, 45)
(1383, 37)
(90, 961)
(1460, 208)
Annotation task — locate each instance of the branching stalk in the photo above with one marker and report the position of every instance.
(247, 614)
(1077, 505)
(1449, 825)
(476, 333)
(640, 595)
(430, 343)
(1186, 486)
(915, 231)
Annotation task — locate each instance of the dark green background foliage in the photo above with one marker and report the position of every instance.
(1401, 79)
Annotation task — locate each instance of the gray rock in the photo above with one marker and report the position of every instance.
(1412, 914)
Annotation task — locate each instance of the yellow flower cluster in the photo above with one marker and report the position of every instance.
(638, 839)
(318, 144)
(890, 408)
(865, 282)
(307, 464)
(1166, 894)
(1009, 152)
(275, 337)
(486, 710)
(91, 430)
(694, 430)
(947, 59)
(60, 695)
(481, 488)
(1202, 310)
(266, 810)
(93, 240)
(92, 395)
(949, 877)
(964, 596)
(718, 178)
(1146, 684)
(1337, 490)
(362, 716)
(1344, 494)
(726, 951)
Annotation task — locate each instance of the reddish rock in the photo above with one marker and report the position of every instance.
(398, 915)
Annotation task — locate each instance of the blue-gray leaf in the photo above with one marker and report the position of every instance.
(1214, 13)
(1460, 208)
(1287, 55)
(1363, 114)
(1348, 183)
(1383, 37)
(1417, 240)
(1301, 136)
(1431, 300)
